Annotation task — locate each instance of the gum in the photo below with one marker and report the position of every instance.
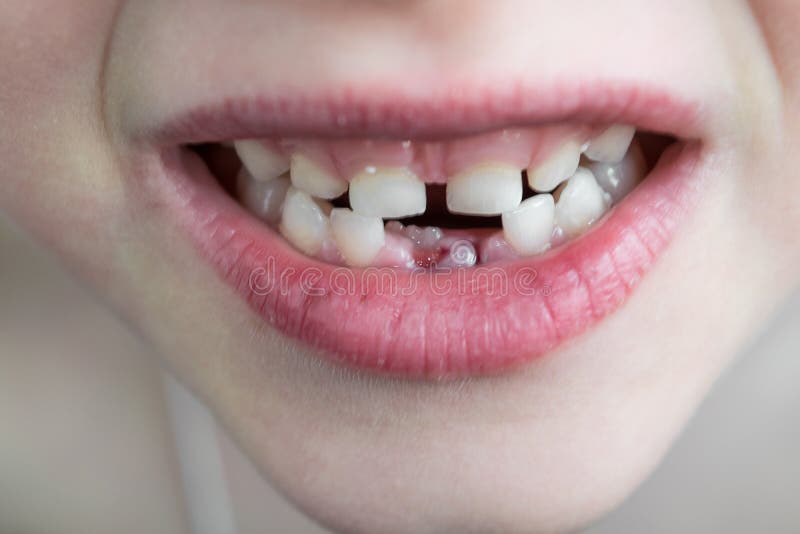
(435, 161)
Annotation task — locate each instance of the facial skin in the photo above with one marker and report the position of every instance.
(550, 446)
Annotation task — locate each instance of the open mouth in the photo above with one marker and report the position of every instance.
(437, 256)
(458, 203)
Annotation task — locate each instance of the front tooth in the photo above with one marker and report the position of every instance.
(611, 145)
(558, 167)
(485, 190)
(262, 162)
(304, 222)
(315, 180)
(389, 193)
(581, 202)
(620, 179)
(529, 227)
(359, 238)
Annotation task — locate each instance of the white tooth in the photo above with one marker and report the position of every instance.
(304, 222)
(611, 145)
(529, 227)
(424, 237)
(620, 179)
(485, 190)
(556, 168)
(390, 193)
(580, 203)
(262, 162)
(315, 180)
(262, 199)
(359, 238)
(495, 248)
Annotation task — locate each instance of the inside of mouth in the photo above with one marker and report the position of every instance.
(435, 204)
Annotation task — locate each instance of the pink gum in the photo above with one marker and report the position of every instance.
(435, 161)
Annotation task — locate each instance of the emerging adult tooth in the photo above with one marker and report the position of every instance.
(359, 238)
(389, 193)
(262, 199)
(304, 222)
(315, 180)
(581, 202)
(461, 253)
(620, 179)
(559, 166)
(262, 162)
(427, 237)
(611, 145)
(496, 249)
(485, 190)
(529, 227)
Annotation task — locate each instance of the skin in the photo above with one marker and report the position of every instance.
(549, 447)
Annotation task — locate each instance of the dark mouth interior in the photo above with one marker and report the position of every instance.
(224, 165)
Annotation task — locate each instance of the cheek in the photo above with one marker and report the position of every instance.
(47, 42)
(55, 170)
(775, 181)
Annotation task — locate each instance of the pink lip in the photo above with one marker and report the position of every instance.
(420, 325)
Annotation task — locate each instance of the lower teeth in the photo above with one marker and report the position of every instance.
(341, 236)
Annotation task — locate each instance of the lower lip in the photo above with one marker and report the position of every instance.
(423, 326)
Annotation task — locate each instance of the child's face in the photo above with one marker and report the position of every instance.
(464, 409)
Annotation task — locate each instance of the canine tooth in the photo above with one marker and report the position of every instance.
(359, 238)
(620, 179)
(529, 227)
(304, 222)
(556, 168)
(262, 199)
(611, 145)
(315, 180)
(262, 162)
(581, 202)
(485, 190)
(389, 193)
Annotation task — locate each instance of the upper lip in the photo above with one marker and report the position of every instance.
(425, 334)
(386, 113)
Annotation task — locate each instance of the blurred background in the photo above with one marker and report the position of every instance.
(95, 439)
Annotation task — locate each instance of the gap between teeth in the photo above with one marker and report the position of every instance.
(573, 188)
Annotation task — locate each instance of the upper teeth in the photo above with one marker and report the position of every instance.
(485, 190)
(262, 162)
(580, 203)
(315, 180)
(559, 166)
(389, 193)
(611, 145)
